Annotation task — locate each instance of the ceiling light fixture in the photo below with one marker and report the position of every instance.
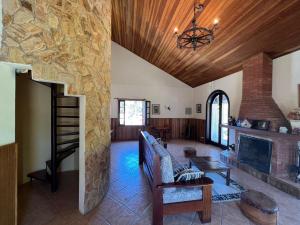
(196, 37)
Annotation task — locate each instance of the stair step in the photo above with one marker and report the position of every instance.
(65, 154)
(60, 116)
(38, 175)
(67, 134)
(75, 140)
(67, 125)
(61, 155)
(62, 150)
(68, 106)
(61, 95)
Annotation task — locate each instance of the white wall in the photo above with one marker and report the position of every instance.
(286, 76)
(1, 24)
(33, 124)
(231, 85)
(7, 104)
(133, 77)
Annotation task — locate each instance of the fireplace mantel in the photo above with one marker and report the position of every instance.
(290, 137)
(284, 147)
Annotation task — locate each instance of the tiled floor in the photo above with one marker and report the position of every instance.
(129, 199)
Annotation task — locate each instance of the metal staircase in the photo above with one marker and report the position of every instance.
(64, 134)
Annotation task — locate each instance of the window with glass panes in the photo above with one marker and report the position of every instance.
(134, 112)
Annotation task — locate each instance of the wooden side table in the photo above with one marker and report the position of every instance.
(189, 152)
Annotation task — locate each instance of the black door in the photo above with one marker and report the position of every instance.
(217, 114)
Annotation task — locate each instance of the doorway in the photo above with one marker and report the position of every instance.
(217, 113)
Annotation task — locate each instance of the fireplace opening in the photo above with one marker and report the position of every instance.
(255, 152)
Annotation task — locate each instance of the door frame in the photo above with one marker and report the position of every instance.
(210, 98)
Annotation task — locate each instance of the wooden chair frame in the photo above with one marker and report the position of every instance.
(151, 164)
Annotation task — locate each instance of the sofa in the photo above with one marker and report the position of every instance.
(175, 188)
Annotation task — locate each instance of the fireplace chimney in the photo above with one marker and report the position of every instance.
(257, 102)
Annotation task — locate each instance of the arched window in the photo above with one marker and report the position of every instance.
(217, 113)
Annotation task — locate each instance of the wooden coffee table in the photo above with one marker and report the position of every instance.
(206, 164)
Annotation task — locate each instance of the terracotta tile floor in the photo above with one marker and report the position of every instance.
(128, 201)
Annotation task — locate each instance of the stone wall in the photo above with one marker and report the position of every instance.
(69, 41)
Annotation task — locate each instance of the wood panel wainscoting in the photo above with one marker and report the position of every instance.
(8, 184)
(178, 129)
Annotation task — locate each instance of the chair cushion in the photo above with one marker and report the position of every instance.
(165, 163)
(182, 194)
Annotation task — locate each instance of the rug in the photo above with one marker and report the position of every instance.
(220, 191)
(223, 193)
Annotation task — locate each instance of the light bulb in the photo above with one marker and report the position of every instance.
(175, 30)
(216, 21)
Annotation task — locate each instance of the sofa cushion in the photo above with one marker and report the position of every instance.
(165, 163)
(152, 140)
(182, 194)
(146, 133)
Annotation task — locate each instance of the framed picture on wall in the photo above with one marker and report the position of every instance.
(155, 109)
(198, 108)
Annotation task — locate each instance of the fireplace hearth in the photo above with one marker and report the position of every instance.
(255, 152)
(283, 156)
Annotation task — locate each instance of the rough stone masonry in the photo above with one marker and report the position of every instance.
(69, 41)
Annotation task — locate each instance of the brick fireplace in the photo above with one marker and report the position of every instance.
(258, 104)
(283, 149)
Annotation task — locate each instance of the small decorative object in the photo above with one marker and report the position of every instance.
(245, 123)
(155, 109)
(283, 130)
(188, 111)
(294, 118)
(238, 122)
(198, 108)
(260, 124)
(196, 36)
(232, 147)
(231, 121)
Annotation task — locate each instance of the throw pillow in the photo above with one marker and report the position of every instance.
(188, 174)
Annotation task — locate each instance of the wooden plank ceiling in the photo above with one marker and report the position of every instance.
(248, 27)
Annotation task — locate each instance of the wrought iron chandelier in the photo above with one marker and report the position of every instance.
(196, 36)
